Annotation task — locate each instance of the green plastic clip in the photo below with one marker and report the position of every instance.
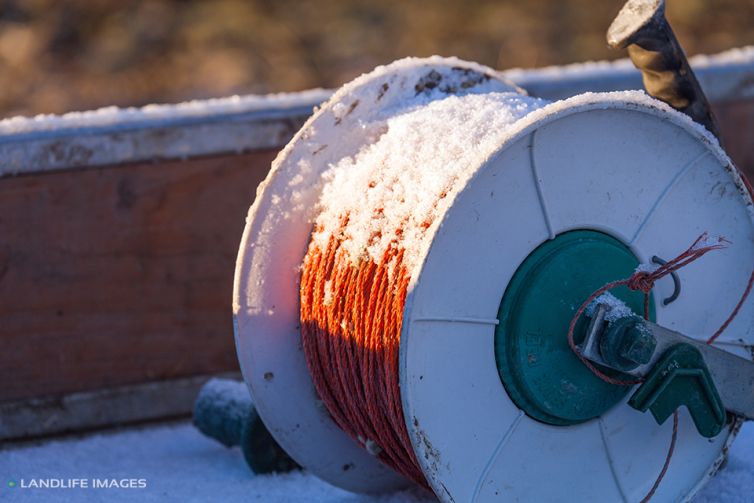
(681, 378)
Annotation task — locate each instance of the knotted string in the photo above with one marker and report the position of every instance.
(644, 281)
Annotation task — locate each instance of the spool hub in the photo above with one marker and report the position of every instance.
(538, 368)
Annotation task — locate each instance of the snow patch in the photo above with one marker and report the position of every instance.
(394, 189)
(618, 308)
(132, 115)
(648, 267)
(179, 464)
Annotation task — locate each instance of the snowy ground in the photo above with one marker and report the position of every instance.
(179, 464)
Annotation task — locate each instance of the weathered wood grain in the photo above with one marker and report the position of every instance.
(120, 275)
(101, 408)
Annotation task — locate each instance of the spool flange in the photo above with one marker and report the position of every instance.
(614, 163)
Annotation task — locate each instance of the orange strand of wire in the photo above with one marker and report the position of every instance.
(351, 317)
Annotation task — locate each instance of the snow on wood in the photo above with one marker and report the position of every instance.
(132, 116)
(241, 123)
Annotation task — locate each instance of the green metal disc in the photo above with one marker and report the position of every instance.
(537, 367)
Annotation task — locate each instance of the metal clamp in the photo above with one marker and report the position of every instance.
(731, 375)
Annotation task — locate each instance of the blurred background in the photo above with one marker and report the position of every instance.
(63, 55)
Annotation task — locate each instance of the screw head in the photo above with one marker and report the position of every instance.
(627, 343)
(638, 344)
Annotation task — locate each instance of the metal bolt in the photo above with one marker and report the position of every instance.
(627, 344)
(638, 344)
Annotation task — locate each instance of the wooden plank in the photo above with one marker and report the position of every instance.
(113, 136)
(736, 119)
(37, 417)
(120, 275)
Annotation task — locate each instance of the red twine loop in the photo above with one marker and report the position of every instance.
(644, 281)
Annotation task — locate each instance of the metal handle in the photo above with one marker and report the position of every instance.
(641, 27)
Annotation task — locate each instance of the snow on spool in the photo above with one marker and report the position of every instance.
(498, 201)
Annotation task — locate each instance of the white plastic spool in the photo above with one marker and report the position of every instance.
(619, 163)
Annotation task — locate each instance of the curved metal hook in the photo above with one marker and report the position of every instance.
(676, 282)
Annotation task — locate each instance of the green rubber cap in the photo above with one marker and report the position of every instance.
(537, 367)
